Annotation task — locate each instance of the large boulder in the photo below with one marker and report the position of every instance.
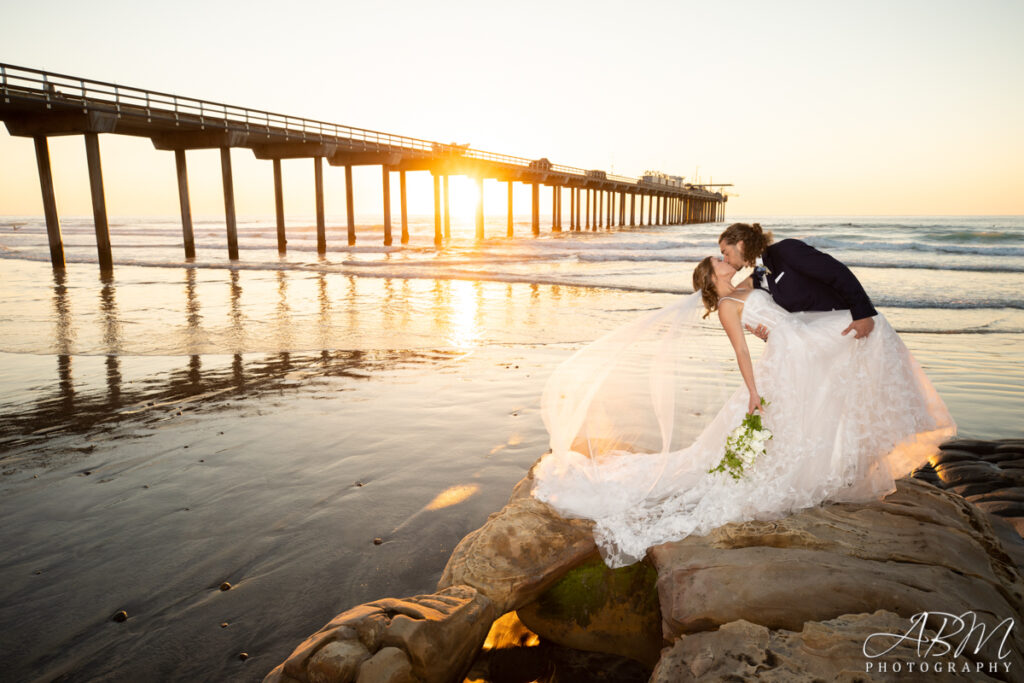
(425, 638)
(519, 551)
(921, 549)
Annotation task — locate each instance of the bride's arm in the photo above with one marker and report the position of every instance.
(729, 316)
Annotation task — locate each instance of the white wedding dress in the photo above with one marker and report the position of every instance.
(848, 417)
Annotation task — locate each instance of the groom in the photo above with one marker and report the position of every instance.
(798, 276)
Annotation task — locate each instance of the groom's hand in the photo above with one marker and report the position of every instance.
(860, 328)
(761, 332)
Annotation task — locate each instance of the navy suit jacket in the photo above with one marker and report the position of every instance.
(801, 278)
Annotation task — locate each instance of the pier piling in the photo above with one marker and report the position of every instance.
(188, 235)
(479, 208)
(535, 194)
(99, 202)
(437, 211)
(447, 210)
(554, 208)
(508, 232)
(321, 223)
(49, 202)
(350, 207)
(577, 209)
(405, 211)
(229, 202)
(572, 209)
(282, 241)
(386, 182)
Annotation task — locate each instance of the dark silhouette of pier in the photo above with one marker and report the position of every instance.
(39, 104)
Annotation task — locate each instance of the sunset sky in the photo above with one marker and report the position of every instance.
(910, 107)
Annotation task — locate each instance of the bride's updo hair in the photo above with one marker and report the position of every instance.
(755, 240)
(704, 282)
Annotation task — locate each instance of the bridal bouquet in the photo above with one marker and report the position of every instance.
(744, 445)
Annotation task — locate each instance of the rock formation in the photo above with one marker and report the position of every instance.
(794, 599)
(828, 650)
(426, 638)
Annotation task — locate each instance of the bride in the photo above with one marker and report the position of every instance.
(632, 446)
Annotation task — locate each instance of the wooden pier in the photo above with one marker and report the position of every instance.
(39, 104)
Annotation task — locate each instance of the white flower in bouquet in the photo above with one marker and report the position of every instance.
(744, 445)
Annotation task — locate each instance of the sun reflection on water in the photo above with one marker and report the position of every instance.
(463, 308)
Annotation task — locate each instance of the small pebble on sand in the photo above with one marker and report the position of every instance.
(243, 656)
(378, 540)
(121, 616)
(223, 624)
(225, 586)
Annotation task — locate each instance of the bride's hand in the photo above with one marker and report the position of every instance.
(754, 404)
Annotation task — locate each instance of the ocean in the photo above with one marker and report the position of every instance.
(178, 424)
(952, 286)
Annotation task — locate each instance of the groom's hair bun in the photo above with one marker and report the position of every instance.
(755, 240)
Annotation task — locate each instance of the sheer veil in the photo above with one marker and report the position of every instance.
(648, 387)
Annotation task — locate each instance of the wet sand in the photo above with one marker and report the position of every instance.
(275, 477)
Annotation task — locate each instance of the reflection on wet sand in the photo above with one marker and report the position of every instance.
(323, 314)
(110, 315)
(191, 310)
(202, 383)
(237, 319)
(324, 309)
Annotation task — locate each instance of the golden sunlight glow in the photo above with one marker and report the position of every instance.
(464, 307)
(513, 440)
(452, 496)
(508, 631)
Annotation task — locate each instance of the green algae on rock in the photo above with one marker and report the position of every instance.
(599, 609)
